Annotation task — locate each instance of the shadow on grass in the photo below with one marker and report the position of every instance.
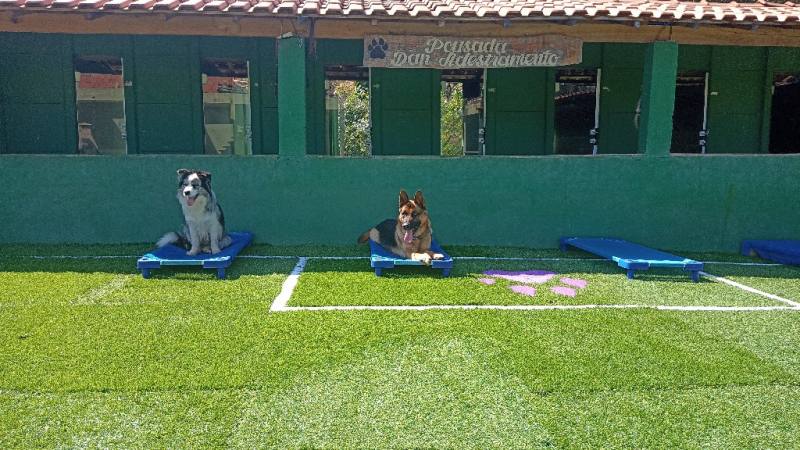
(127, 266)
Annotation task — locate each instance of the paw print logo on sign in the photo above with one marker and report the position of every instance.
(537, 277)
(377, 48)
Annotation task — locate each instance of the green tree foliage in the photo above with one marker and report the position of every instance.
(452, 121)
(354, 132)
(354, 110)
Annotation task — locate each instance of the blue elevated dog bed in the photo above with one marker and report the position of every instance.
(784, 252)
(631, 256)
(171, 255)
(383, 259)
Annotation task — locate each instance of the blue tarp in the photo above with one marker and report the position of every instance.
(784, 252)
(171, 255)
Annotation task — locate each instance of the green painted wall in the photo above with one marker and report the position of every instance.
(163, 93)
(675, 203)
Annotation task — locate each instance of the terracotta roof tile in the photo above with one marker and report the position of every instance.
(117, 4)
(762, 11)
(191, 5)
(29, 4)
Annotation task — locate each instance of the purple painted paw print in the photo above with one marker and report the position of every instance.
(534, 277)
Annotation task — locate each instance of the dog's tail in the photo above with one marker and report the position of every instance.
(364, 236)
(174, 239)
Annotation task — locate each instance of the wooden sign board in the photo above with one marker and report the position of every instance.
(436, 52)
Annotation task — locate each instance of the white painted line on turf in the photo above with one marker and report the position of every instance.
(79, 257)
(458, 258)
(749, 289)
(530, 308)
(279, 304)
(430, 307)
(729, 263)
(501, 258)
(725, 308)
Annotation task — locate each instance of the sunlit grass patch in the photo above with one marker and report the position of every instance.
(60, 281)
(780, 280)
(573, 282)
(121, 419)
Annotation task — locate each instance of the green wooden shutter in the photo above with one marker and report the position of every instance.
(169, 95)
(406, 111)
(517, 105)
(736, 100)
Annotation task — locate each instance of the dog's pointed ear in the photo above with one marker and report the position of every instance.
(403, 197)
(182, 173)
(205, 176)
(419, 199)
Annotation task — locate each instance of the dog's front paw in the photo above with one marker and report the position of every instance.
(424, 257)
(438, 256)
(193, 252)
(214, 251)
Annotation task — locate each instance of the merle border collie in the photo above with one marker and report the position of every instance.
(204, 227)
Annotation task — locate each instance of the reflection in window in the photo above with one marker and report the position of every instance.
(100, 105)
(576, 111)
(462, 112)
(452, 126)
(226, 107)
(689, 116)
(785, 118)
(347, 111)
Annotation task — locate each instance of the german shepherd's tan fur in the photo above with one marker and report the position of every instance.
(408, 236)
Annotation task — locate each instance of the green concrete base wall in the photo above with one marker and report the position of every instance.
(699, 203)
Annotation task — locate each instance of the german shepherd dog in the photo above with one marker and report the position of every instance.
(204, 227)
(408, 236)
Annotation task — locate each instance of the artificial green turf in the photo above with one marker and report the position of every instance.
(29, 281)
(352, 282)
(482, 379)
(92, 355)
(783, 281)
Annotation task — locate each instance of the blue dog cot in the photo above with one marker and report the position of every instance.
(631, 256)
(784, 252)
(171, 255)
(383, 259)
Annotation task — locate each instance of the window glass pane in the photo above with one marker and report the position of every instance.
(688, 118)
(452, 119)
(462, 112)
(347, 109)
(100, 105)
(226, 107)
(575, 111)
(785, 117)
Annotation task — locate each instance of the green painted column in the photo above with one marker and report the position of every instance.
(292, 127)
(658, 98)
